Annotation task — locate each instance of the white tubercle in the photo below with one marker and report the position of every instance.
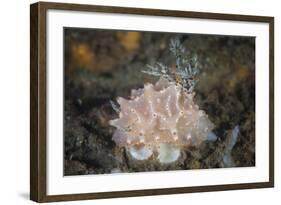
(140, 153)
(168, 153)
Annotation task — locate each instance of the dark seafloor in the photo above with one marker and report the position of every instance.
(100, 65)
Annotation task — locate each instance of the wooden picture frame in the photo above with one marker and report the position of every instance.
(39, 95)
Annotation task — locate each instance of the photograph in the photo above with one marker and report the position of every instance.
(143, 101)
(130, 101)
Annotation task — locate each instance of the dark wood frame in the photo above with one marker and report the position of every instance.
(38, 101)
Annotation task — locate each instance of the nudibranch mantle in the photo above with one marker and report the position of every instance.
(161, 119)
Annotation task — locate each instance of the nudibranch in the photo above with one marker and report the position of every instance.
(160, 119)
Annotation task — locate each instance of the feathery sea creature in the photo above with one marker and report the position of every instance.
(162, 118)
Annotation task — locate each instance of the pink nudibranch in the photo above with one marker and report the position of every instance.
(160, 118)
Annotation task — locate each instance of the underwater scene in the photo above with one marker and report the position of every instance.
(138, 101)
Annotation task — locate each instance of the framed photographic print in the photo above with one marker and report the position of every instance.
(134, 102)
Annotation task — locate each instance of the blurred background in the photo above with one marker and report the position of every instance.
(101, 65)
